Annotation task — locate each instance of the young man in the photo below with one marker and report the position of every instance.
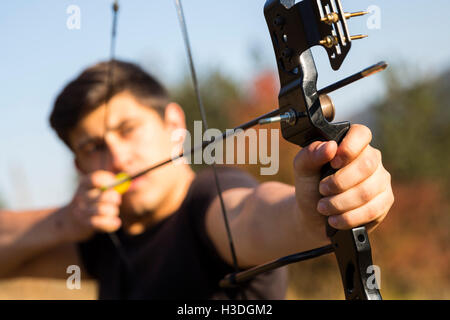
(173, 242)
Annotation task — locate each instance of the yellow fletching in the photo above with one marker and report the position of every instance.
(124, 186)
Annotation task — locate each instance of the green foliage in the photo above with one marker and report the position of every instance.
(412, 126)
(219, 93)
(2, 203)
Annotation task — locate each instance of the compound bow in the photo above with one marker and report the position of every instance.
(305, 114)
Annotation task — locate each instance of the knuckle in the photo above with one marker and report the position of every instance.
(376, 155)
(367, 132)
(363, 131)
(372, 212)
(365, 193)
(331, 204)
(379, 154)
(369, 164)
(390, 199)
(337, 183)
(336, 204)
(338, 207)
(349, 153)
(392, 196)
(385, 178)
(329, 207)
(368, 161)
(388, 176)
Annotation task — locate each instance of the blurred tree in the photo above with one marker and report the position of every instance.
(2, 203)
(412, 126)
(219, 92)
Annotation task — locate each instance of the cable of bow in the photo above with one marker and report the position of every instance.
(184, 31)
(110, 85)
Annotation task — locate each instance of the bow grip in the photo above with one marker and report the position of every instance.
(353, 252)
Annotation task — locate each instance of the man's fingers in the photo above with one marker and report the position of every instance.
(352, 174)
(372, 211)
(103, 209)
(311, 159)
(108, 196)
(357, 138)
(356, 196)
(105, 224)
(98, 179)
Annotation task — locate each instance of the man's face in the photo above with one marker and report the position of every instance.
(136, 138)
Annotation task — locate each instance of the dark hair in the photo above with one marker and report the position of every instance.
(96, 85)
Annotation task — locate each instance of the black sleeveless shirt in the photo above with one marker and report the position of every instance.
(175, 259)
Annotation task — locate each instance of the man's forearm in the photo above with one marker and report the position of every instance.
(270, 226)
(23, 235)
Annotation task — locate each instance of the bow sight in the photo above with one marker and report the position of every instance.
(294, 30)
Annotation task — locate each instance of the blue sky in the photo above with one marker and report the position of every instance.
(39, 54)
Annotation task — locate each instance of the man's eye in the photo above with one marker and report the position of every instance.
(127, 130)
(94, 147)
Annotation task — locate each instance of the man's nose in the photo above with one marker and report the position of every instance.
(118, 154)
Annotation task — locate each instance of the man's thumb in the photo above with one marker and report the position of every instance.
(311, 159)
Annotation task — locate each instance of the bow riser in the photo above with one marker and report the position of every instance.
(294, 29)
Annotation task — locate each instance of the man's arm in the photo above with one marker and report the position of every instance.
(264, 223)
(31, 235)
(35, 243)
(274, 219)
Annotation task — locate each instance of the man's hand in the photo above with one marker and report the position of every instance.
(359, 193)
(91, 209)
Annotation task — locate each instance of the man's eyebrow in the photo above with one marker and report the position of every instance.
(125, 122)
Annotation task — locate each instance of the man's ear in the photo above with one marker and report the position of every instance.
(174, 117)
(78, 166)
(175, 123)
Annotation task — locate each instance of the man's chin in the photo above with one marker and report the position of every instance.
(137, 202)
